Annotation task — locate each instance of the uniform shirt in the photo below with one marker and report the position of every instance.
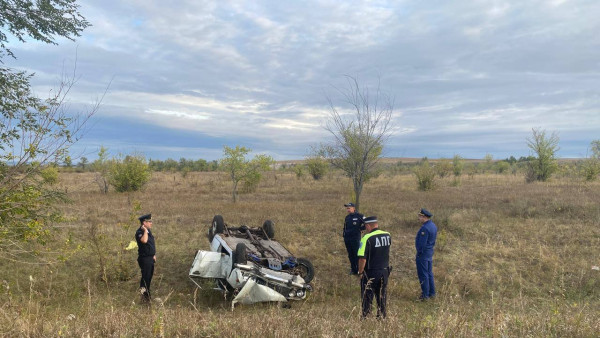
(353, 224)
(375, 248)
(145, 249)
(425, 240)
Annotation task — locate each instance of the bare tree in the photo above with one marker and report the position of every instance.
(360, 134)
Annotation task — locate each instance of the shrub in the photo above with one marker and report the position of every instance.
(110, 244)
(590, 169)
(129, 174)
(101, 166)
(487, 165)
(545, 147)
(299, 170)
(425, 176)
(471, 169)
(251, 181)
(530, 173)
(185, 171)
(317, 167)
(49, 175)
(444, 167)
(458, 163)
(502, 167)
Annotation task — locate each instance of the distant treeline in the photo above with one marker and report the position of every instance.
(448, 166)
(444, 166)
(170, 165)
(183, 165)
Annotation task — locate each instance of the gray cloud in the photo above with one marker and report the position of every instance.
(468, 77)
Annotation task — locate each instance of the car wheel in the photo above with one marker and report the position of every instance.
(305, 269)
(239, 256)
(269, 228)
(218, 226)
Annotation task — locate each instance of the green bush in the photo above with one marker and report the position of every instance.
(317, 167)
(502, 167)
(545, 164)
(299, 170)
(251, 181)
(425, 176)
(458, 163)
(49, 175)
(590, 169)
(129, 174)
(471, 169)
(444, 167)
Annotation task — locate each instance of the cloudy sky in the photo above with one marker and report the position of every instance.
(468, 77)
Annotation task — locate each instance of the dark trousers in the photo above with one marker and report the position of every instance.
(374, 283)
(147, 266)
(425, 273)
(352, 245)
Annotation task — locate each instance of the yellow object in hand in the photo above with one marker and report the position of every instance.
(132, 245)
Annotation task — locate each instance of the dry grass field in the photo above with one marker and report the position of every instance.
(512, 260)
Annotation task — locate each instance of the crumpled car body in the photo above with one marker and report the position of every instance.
(247, 264)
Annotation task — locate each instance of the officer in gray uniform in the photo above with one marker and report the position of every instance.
(374, 267)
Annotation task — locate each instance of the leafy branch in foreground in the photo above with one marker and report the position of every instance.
(41, 20)
(34, 133)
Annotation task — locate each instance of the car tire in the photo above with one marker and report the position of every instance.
(217, 227)
(239, 255)
(269, 228)
(305, 269)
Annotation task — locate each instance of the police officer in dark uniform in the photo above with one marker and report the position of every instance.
(373, 267)
(353, 224)
(424, 243)
(146, 254)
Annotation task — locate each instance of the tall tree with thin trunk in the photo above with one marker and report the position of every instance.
(360, 133)
(240, 169)
(545, 148)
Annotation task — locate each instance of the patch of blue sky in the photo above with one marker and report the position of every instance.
(137, 22)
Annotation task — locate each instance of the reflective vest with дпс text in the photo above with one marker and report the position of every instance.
(375, 248)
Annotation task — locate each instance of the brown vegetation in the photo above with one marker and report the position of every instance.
(512, 259)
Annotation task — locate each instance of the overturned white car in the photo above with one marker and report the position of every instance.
(248, 264)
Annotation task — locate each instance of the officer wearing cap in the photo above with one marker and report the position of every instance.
(353, 224)
(373, 267)
(424, 243)
(146, 254)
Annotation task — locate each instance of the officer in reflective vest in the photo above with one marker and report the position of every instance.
(374, 267)
(424, 243)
